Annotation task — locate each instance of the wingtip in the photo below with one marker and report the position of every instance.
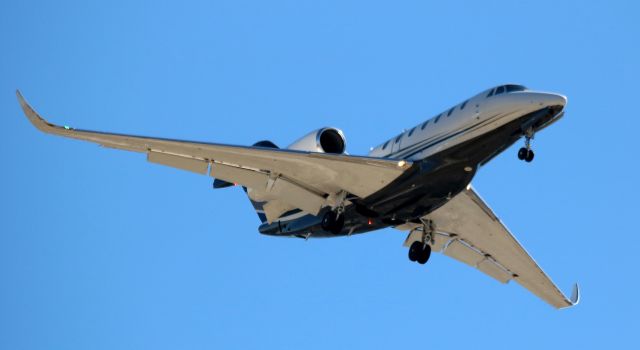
(21, 98)
(33, 116)
(23, 103)
(575, 295)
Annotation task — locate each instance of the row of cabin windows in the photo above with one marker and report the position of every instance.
(497, 91)
(424, 125)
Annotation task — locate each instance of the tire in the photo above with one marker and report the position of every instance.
(529, 157)
(424, 255)
(414, 250)
(338, 224)
(522, 153)
(328, 221)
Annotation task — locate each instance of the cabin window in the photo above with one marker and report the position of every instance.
(499, 90)
(450, 111)
(463, 104)
(398, 138)
(491, 93)
(385, 145)
(424, 125)
(411, 132)
(437, 118)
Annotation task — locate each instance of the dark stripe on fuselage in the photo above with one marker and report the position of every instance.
(420, 146)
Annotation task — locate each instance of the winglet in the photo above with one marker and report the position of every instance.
(37, 120)
(575, 295)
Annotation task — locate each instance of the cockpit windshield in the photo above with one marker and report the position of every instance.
(512, 88)
(506, 89)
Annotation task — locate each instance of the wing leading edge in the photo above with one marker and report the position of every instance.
(468, 231)
(304, 180)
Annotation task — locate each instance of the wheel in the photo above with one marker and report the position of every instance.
(522, 153)
(338, 224)
(529, 156)
(424, 255)
(333, 223)
(414, 250)
(328, 221)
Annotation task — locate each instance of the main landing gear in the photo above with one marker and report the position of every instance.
(333, 221)
(526, 153)
(420, 251)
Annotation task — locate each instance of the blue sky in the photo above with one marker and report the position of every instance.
(101, 250)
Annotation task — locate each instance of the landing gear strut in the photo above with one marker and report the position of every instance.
(420, 251)
(333, 220)
(526, 153)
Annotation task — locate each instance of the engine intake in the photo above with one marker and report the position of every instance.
(325, 140)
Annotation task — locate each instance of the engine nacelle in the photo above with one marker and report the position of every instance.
(325, 140)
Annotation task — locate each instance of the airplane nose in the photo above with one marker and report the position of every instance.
(552, 100)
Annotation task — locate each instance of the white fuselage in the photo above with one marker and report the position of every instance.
(476, 116)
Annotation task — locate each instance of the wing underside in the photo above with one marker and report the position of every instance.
(467, 230)
(304, 180)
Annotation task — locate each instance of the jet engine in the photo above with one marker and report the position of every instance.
(325, 140)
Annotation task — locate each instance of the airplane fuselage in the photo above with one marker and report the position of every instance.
(446, 151)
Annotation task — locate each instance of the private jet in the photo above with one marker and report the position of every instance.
(418, 181)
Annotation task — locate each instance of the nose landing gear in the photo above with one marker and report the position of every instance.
(526, 153)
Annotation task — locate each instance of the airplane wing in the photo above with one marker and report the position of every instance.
(467, 230)
(304, 180)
